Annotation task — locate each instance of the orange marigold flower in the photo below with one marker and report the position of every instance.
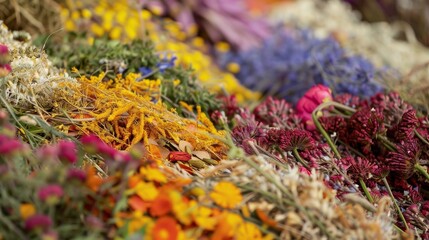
(226, 194)
(161, 206)
(136, 203)
(165, 228)
(27, 210)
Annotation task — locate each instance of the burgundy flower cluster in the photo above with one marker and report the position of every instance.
(385, 138)
(381, 144)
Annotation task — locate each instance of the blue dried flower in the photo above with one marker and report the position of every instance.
(290, 62)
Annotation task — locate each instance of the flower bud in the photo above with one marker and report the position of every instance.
(310, 101)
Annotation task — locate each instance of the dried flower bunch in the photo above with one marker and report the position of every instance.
(125, 142)
(374, 41)
(48, 193)
(112, 58)
(379, 143)
(291, 61)
(133, 22)
(33, 78)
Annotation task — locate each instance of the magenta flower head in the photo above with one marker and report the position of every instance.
(92, 144)
(10, 146)
(311, 99)
(38, 221)
(4, 54)
(50, 193)
(76, 174)
(67, 151)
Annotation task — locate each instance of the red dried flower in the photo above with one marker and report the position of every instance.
(334, 124)
(38, 221)
(299, 139)
(405, 128)
(402, 161)
(179, 156)
(363, 127)
(359, 168)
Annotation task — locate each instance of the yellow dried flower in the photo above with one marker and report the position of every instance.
(226, 194)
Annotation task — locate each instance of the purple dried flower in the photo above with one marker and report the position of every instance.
(38, 221)
(244, 135)
(402, 161)
(50, 193)
(67, 151)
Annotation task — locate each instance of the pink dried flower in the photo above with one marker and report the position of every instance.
(67, 151)
(4, 55)
(276, 113)
(50, 193)
(402, 161)
(311, 99)
(93, 144)
(38, 221)
(245, 134)
(5, 69)
(304, 170)
(9, 146)
(75, 173)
